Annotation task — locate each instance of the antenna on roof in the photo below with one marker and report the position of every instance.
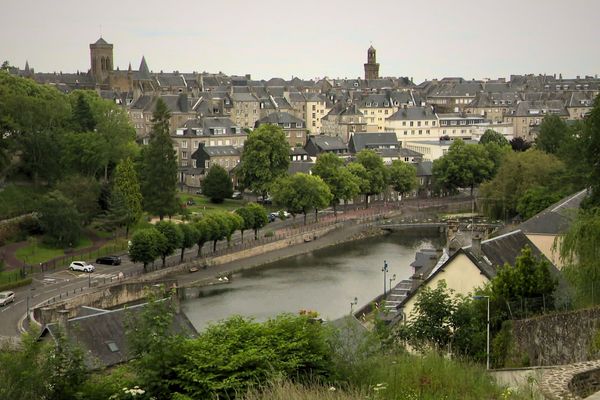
(100, 30)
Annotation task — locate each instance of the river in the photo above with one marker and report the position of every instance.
(325, 281)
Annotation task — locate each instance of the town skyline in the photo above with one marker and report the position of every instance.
(472, 40)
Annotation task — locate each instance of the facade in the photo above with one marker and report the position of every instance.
(528, 116)
(140, 112)
(294, 128)
(343, 121)
(316, 145)
(432, 149)
(206, 156)
(413, 123)
(376, 108)
(316, 109)
(458, 125)
(245, 110)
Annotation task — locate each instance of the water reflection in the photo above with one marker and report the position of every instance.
(325, 281)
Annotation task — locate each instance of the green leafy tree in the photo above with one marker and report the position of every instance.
(156, 348)
(126, 185)
(361, 175)
(303, 193)
(204, 228)
(519, 144)
(264, 159)
(590, 144)
(342, 184)
(464, 166)
(529, 277)
(217, 184)
(260, 217)
(519, 172)
(230, 357)
(376, 173)
(84, 192)
(159, 166)
(146, 246)
(402, 177)
(173, 236)
(553, 133)
(247, 220)
(189, 237)
(535, 200)
(491, 136)
(60, 220)
(40, 369)
(83, 118)
(580, 252)
(220, 227)
(235, 223)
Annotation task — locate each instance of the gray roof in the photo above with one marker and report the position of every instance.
(298, 151)
(102, 42)
(280, 117)
(541, 108)
(555, 219)
(413, 113)
(94, 334)
(221, 151)
(360, 141)
(243, 97)
(424, 168)
(300, 167)
(328, 143)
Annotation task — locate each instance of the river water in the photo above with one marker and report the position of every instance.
(325, 281)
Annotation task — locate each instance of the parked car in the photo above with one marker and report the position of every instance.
(284, 213)
(272, 217)
(266, 200)
(81, 266)
(110, 260)
(237, 195)
(6, 297)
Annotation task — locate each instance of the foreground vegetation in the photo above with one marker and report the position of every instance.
(290, 356)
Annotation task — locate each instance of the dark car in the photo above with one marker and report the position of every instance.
(110, 260)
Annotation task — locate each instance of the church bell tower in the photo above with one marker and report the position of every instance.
(101, 57)
(371, 67)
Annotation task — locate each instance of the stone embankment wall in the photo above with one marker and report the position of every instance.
(556, 339)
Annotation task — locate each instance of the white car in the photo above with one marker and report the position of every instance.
(6, 297)
(81, 266)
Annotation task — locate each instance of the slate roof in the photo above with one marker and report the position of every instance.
(216, 151)
(243, 97)
(280, 117)
(541, 108)
(94, 333)
(298, 151)
(300, 167)
(328, 143)
(555, 219)
(360, 141)
(101, 42)
(424, 168)
(413, 113)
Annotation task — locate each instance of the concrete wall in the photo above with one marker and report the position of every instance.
(563, 338)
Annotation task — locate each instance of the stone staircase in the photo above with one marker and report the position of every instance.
(397, 295)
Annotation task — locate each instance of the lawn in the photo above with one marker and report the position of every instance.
(36, 252)
(203, 206)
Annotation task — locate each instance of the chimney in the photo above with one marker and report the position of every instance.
(63, 321)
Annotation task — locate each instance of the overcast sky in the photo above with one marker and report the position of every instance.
(308, 38)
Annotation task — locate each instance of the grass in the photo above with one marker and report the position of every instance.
(10, 276)
(36, 252)
(204, 206)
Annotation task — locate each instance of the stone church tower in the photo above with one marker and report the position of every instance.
(371, 67)
(101, 54)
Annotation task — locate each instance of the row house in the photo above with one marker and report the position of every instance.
(208, 132)
(493, 106)
(528, 116)
(456, 125)
(413, 123)
(376, 108)
(343, 121)
(294, 128)
(454, 94)
(140, 112)
(580, 104)
(318, 144)
(245, 109)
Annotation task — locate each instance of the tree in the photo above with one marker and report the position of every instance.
(217, 184)
(126, 185)
(60, 220)
(590, 144)
(375, 173)
(302, 193)
(235, 222)
(159, 166)
(264, 159)
(402, 176)
(146, 246)
(173, 237)
(189, 237)
(229, 357)
(464, 166)
(491, 136)
(204, 228)
(260, 217)
(553, 133)
(220, 227)
(430, 323)
(247, 220)
(83, 119)
(535, 200)
(84, 192)
(342, 184)
(519, 144)
(519, 172)
(529, 277)
(496, 153)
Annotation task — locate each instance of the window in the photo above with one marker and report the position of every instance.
(418, 123)
(426, 123)
(184, 155)
(403, 123)
(314, 107)
(184, 145)
(195, 144)
(411, 123)
(314, 115)
(287, 134)
(299, 134)
(194, 163)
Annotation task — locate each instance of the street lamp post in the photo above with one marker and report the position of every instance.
(353, 303)
(384, 270)
(487, 365)
(392, 279)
